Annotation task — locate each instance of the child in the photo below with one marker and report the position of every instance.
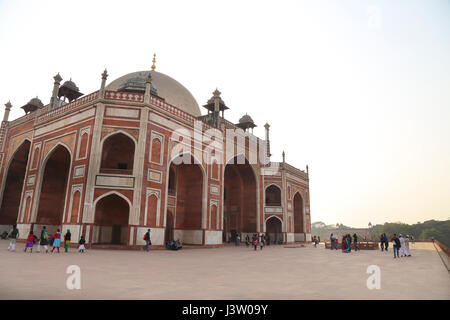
(67, 239)
(30, 242)
(57, 240)
(13, 235)
(81, 244)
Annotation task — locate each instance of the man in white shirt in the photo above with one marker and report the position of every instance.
(402, 246)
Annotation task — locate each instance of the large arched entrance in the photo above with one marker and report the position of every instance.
(240, 199)
(298, 218)
(273, 229)
(111, 220)
(185, 186)
(13, 185)
(52, 197)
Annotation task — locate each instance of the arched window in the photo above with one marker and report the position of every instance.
(273, 196)
(152, 207)
(83, 145)
(215, 170)
(117, 154)
(156, 150)
(35, 158)
(75, 207)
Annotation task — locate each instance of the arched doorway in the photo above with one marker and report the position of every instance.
(52, 197)
(273, 229)
(111, 220)
(185, 185)
(298, 218)
(169, 226)
(117, 154)
(240, 199)
(13, 185)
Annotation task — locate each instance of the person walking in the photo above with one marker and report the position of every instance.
(56, 240)
(344, 243)
(247, 240)
(43, 241)
(261, 242)
(407, 252)
(386, 242)
(381, 243)
(396, 244)
(348, 238)
(355, 241)
(255, 241)
(402, 245)
(238, 240)
(332, 242)
(81, 244)
(30, 242)
(67, 239)
(13, 235)
(147, 240)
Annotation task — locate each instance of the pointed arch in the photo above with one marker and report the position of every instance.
(118, 153)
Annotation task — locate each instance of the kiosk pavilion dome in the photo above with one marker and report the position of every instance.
(165, 87)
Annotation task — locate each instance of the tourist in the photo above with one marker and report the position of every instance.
(332, 242)
(396, 245)
(336, 241)
(13, 235)
(247, 240)
(67, 239)
(407, 252)
(355, 241)
(56, 240)
(348, 238)
(238, 240)
(316, 241)
(386, 242)
(402, 245)
(261, 242)
(30, 242)
(147, 240)
(255, 241)
(43, 241)
(344, 243)
(81, 244)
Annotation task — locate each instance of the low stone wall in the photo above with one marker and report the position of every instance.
(361, 245)
(443, 247)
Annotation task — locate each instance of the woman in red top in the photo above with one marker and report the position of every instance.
(57, 240)
(30, 242)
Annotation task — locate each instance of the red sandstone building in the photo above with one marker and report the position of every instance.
(106, 165)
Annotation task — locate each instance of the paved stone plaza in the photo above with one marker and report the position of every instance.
(223, 273)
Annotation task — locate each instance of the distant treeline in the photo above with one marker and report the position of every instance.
(439, 230)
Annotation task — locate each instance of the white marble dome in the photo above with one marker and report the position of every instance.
(168, 88)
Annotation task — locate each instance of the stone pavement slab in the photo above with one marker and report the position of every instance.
(223, 273)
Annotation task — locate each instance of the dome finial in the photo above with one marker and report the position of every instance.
(154, 61)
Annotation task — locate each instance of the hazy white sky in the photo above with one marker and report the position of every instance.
(359, 90)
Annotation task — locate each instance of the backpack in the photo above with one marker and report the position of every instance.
(397, 242)
(145, 236)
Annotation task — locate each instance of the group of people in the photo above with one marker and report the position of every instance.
(257, 240)
(400, 244)
(346, 244)
(44, 241)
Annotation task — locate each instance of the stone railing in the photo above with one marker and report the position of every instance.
(46, 114)
(23, 119)
(124, 96)
(294, 170)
